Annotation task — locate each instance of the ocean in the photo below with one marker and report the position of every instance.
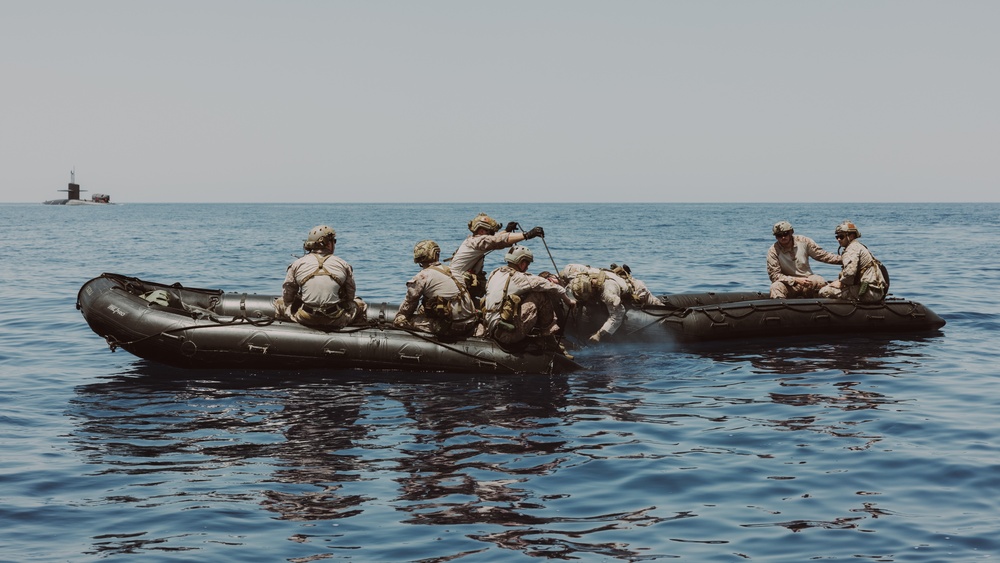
(831, 448)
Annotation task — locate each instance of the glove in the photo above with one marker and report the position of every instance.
(536, 232)
(511, 227)
(596, 337)
(400, 321)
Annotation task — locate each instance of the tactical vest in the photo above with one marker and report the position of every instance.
(322, 271)
(441, 308)
(510, 305)
(624, 273)
(873, 264)
(597, 282)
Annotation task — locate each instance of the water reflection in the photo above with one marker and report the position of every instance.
(319, 424)
(462, 451)
(473, 459)
(804, 355)
(508, 462)
(841, 375)
(145, 423)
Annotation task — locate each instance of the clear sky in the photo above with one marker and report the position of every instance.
(484, 101)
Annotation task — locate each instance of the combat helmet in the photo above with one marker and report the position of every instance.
(425, 252)
(847, 227)
(581, 287)
(518, 254)
(782, 227)
(318, 237)
(484, 221)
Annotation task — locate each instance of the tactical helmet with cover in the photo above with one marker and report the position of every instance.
(318, 237)
(581, 287)
(518, 254)
(782, 227)
(425, 252)
(484, 221)
(847, 227)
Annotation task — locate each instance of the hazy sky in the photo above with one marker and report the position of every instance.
(525, 101)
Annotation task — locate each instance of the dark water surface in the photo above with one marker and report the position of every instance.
(831, 449)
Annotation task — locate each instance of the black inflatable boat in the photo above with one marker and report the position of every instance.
(698, 317)
(209, 328)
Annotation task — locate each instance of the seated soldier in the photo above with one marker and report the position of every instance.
(861, 276)
(518, 303)
(319, 288)
(435, 301)
(788, 263)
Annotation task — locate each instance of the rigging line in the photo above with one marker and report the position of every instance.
(114, 343)
(218, 324)
(520, 228)
(425, 338)
(550, 256)
(660, 319)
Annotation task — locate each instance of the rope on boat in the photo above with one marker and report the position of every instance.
(114, 343)
(811, 308)
(424, 336)
(659, 319)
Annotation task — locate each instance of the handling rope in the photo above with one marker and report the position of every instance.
(553, 260)
(550, 256)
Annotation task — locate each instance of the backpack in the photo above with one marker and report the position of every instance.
(877, 264)
(885, 274)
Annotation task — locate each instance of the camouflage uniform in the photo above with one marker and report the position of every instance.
(435, 280)
(783, 266)
(470, 256)
(611, 293)
(640, 293)
(536, 310)
(614, 293)
(860, 277)
(327, 295)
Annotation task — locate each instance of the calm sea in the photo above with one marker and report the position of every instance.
(832, 449)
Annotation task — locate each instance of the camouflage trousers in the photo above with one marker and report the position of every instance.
(872, 295)
(643, 295)
(355, 313)
(455, 329)
(536, 314)
(782, 290)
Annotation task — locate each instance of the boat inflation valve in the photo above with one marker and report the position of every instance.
(189, 348)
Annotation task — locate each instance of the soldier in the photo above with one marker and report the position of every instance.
(862, 277)
(788, 263)
(435, 301)
(614, 288)
(469, 257)
(518, 303)
(319, 288)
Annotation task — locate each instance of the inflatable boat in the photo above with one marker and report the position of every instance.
(209, 328)
(699, 317)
